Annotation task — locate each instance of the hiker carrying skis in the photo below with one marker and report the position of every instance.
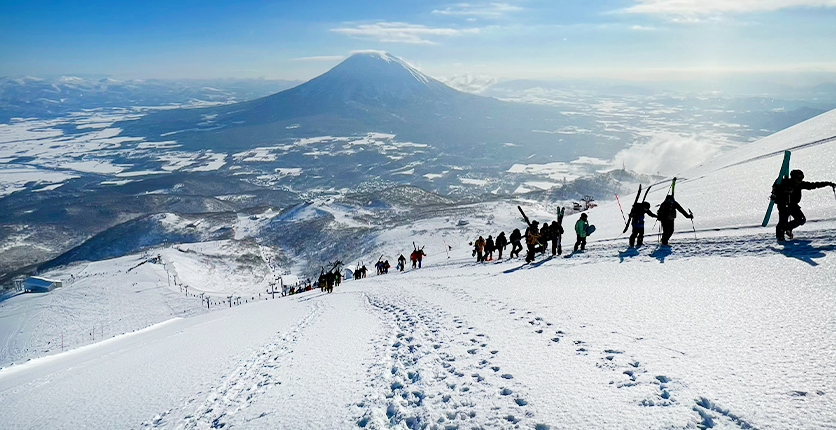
(532, 234)
(637, 221)
(787, 197)
(666, 216)
(580, 229)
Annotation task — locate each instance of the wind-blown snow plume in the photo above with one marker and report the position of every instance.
(666, 154)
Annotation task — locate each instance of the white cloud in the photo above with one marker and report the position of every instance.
(401, 32)
(470, 83)
(642, 28)
(321, 58)
(666, 154)
(707, 7)
(490, 10)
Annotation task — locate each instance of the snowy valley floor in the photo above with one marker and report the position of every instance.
(727, 331)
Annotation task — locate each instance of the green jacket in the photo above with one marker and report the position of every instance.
(580, 227)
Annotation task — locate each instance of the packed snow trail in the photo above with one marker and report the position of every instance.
(732, 331)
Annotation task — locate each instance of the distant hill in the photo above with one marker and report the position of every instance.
(28, 96)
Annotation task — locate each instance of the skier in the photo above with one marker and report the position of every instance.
(787, 197)
(480, 248)
(556, 231)
(501, 243)
(637, 221)
(532, 234)
(580, 229)
(489, 248)
(666, 216)
(401, 262)
(516, 246)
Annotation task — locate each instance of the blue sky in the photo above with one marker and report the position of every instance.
(629, 39)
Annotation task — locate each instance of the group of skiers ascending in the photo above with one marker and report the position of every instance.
(536, 238)
(786, 194)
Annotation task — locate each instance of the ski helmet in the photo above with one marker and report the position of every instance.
(646, 205)
(583, 215)
(797, 175)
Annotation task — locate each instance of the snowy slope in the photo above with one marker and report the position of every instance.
(733, 190)
(729, 330)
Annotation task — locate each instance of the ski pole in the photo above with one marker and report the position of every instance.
(619, 208)
(692, 223)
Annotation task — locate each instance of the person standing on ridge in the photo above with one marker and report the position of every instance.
(501, 243)
(580, 230)
(637, 221)
(401, 262)
(532, 235)
(787, 197)
(666, 216)
(516, 246)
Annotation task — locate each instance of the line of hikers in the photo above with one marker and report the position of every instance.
(537, 240)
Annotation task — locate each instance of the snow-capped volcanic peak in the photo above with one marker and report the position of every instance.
(375, 77)
(389, 59)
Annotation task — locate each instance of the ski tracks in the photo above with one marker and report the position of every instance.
(239, 388)
(437, 373)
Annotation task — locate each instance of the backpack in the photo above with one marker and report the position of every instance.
(666, 210)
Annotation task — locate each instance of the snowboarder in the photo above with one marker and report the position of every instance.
(532, 234)
(637, 221)
(667, 214)
(401, 263)
(580, 230)
(516, 246)
(501, 243)
(787, 196)
(480, 249)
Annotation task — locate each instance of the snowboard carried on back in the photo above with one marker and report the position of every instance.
(785, 172)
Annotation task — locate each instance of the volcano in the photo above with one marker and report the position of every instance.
(372, 92)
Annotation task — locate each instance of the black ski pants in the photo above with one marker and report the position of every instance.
(784, 224)
(637, 238)
(555, 246)
(516, 247)
(581, 242)
(667, 230)
(532, 249)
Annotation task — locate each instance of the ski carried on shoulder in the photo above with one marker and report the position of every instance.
(785, 171)
(630, 217)
(560, 212)
(524, 216)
